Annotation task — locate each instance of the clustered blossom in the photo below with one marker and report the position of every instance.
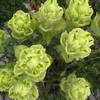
(33, 62)
(23, 89)
(5, 79)
(76, 44)
(78, 13)
(75, 88)
(51, 11)
(95, 25)
(50, 19)
(2, 40)
(18, 87)
(20, 24)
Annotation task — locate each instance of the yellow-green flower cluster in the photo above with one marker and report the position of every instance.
(18, 87)
(2, 40)
(76, 44)
(20, 24)
(95, 25)
(5, 79)
(33, 62)
(75, 88)
(23, 89)
(50, 19)
(78, 13)
(50, 11)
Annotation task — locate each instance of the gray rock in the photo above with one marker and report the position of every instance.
(91, 97)
(1, 98)
(97, 94)
(7, 98)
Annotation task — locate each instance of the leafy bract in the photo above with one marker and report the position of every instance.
(18, 49)
(2, 40)
(95, 25)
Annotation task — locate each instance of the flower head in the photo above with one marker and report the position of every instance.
(79, 13)
(6, 77)
(75, 88)
(23, 89)
(76, 44)
(33, 62)
(50, 20)
(20, 24)
(50, 11)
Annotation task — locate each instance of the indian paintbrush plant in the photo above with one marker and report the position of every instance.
(39, 39)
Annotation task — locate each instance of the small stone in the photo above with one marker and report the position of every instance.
(91, 98)
(7, 98)
(1, 98)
